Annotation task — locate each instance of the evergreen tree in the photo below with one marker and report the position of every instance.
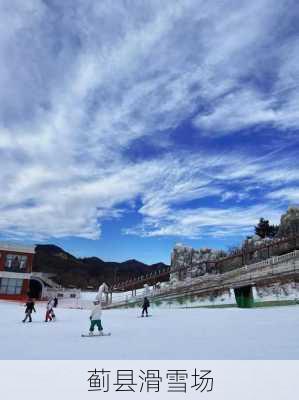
(264, 230)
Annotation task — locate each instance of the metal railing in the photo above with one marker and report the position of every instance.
(273, 243)
(270, 267)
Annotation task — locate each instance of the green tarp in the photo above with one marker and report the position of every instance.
(244, 297)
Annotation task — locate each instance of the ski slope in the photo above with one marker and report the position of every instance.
(263, 333)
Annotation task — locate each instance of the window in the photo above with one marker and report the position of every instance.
(15, 263)
(11, 286)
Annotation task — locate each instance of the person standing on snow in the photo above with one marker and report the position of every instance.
(95, 318)
(50, 313)
(145, 306)
(28, 311)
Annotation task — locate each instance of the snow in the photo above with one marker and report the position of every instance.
(117, 297)
(88, 295)
(229, 333)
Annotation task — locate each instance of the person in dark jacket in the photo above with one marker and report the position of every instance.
(28, 311)
(55, 302)
(145, 306)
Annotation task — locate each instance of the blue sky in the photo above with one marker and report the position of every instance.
(128, 126)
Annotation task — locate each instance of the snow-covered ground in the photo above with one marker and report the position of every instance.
(232, 333)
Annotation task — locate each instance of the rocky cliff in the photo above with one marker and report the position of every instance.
(289, 222)
(193, 262)
(187, 262)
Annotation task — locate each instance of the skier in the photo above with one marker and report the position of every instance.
(145, 306)
(50, 313)
(55, 302)
(28, 311)
(95, 318)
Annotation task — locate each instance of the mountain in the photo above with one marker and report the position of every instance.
(87, 272)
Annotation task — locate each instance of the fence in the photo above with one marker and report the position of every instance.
(277, 265)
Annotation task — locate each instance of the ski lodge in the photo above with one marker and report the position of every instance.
(15, 270)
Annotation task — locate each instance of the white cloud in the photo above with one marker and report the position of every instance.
(194, 223)
(166, 210)
(80, 81)
(237, 110)
(290, 194)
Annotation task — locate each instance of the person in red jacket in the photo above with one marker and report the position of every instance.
(50, 315)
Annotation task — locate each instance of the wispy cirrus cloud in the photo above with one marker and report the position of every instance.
(167, 210)
(290, 194)
(81, 81)
(206, 222)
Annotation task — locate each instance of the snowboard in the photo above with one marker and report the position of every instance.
(140, 316)
(95, 334)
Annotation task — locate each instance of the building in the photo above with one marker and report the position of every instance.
(15, 270)
(18, 280)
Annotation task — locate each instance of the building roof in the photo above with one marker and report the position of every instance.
(18, 248)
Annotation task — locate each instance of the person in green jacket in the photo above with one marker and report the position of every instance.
(95, 318)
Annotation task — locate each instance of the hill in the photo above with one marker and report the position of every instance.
(86, 272)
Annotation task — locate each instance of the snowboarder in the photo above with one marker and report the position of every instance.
(28, 311)
(50, 315)
(95, 318)
(145, 306)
